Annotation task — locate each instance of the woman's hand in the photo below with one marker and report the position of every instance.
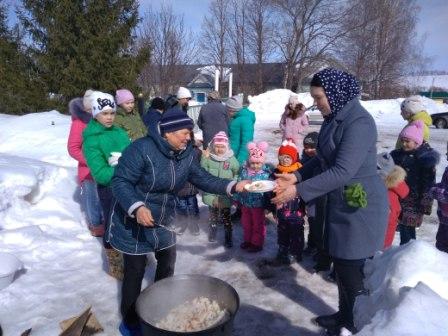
(144, 216)
(240, 185)
(285, 195)
(283, 181)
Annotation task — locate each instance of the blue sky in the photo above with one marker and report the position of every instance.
(433, 23)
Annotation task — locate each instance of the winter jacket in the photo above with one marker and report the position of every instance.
(241, 132)
(151, 120)
(294, 129)
(420, 167)
(427, 121)
(249, 199)
(440, 193)
(224, 169)
(212, 119)
(131, 122)
(397, 189)
(151, 173)
(80, 118)
(99, 143)
(346, 153)
(294, 208)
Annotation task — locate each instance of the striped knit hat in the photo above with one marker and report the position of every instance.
(221, 138)
(173, 120)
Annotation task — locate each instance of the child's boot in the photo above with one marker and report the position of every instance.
(115, 262)
(228, 236)
(283, 257)
(212, 232)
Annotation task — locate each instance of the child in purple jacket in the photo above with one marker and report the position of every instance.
(440, 193)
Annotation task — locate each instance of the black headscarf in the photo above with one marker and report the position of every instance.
(340, 87)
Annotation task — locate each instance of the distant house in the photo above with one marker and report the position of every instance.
(200, 79)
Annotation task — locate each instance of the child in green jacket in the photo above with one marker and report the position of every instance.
(103, 143)
(221, 163)
(127, 117)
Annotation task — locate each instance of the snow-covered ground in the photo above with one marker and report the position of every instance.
(64, 269)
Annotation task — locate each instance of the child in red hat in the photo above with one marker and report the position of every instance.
(290, 229)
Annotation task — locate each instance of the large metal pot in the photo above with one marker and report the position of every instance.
(156, 301)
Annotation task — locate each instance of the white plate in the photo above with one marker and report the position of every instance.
(260, 186)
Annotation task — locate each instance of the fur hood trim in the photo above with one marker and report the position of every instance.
(395, 177)
(427, 156)
(76, 109)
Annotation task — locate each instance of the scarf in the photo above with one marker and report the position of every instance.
(340, 87)
(220, 158)
(289, 169)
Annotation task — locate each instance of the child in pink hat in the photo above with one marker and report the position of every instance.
(127, 116)
(419, 161)
(253, 204)
(220, 162)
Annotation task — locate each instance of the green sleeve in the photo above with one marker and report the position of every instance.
(204, 162)
(235, 166)
(96, 161)
(235, 139)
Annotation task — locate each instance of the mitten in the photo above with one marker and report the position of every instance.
(356, 196)
(113, 160)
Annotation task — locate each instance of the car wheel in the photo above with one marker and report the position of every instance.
(440, 123)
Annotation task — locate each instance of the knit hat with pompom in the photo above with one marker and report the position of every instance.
(257, 152)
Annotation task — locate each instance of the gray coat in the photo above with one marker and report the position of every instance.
(347, 155)
(212, 119)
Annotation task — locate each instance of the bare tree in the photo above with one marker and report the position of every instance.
(172, 46)
(379, 47)
(260, 36)
(307, 33)
(237, 13)
(215, 30)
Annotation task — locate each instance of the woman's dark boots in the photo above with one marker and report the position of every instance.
(212, 229)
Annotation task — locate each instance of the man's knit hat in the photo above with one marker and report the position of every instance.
(257, 152)
(221, 138)
(310, 139)
(213, 95)
(414, 132)
(123, 96)
(102, 101)
(289, 148)
(183, 93)
(173, 120)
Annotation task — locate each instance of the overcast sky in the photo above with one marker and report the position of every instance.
(433, 23)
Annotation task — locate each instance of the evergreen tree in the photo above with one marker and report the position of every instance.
(83, 44)
(21, 88)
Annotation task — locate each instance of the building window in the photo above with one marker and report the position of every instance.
(200, 97)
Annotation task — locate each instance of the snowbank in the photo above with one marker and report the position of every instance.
(398, 277)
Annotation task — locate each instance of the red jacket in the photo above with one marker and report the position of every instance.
(74, 144)
(397, 189)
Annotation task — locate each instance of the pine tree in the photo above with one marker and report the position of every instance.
(21, 87)
(83, 44)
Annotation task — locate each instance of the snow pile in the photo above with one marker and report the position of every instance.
(404, 288)
(270, 105)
